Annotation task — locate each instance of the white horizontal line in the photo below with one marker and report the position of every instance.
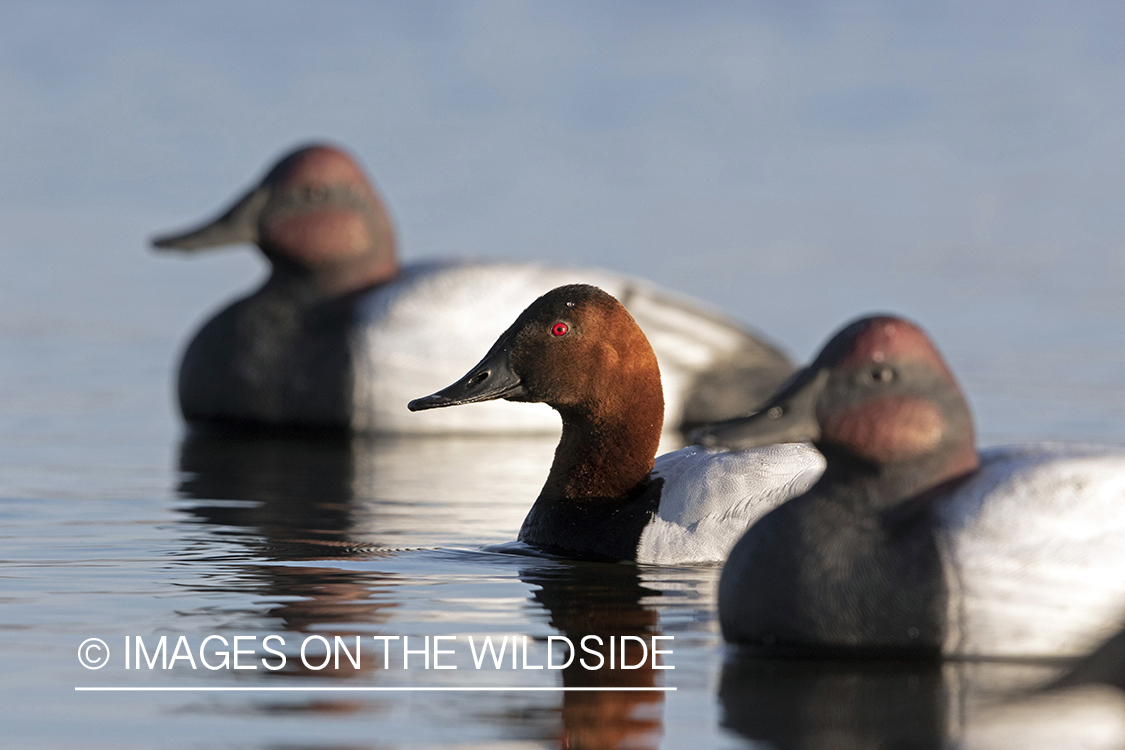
(374, 689)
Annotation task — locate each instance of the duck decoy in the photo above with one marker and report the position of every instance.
(912, 542)
(341, 334)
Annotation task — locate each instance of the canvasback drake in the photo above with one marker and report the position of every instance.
(340, 335)
(911, 542)
(607, 496)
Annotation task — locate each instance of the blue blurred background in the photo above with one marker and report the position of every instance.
(795, 164)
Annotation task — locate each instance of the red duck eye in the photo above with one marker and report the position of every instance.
(559, 329)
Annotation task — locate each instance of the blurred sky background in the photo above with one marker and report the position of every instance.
(794, 163)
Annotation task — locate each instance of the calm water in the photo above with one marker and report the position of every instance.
(117, 524)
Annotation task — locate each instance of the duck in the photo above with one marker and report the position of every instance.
(340, 334)
(912, 542)
(607, 496)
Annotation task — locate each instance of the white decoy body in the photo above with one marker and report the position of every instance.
(1033, 546)
(709, 497)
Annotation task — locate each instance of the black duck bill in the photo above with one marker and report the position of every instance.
(788, 417)
(492, 378)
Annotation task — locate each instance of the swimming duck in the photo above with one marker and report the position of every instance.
(911, 541)
(578, 350)
(340, 335)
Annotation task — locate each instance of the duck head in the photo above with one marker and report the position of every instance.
(315, 216)
(575, 348)
(578, 350)
(879, 395)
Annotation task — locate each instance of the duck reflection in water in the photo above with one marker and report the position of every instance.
(287, 498)
(584, 598)
(378, 492)
(292, 497)
(835, 704)
(1084, 708)
(838, 704)
(322, 498)
(279, 488)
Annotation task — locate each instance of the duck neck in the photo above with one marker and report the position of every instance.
(351, 276)
(607, 451)
(879, 488)
(332, 280)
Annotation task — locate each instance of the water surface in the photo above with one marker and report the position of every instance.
(117, 522)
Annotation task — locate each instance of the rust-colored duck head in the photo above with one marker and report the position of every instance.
(315, 216)
(578, 350)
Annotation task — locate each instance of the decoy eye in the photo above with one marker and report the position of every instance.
(559, 329)
(882, 374)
